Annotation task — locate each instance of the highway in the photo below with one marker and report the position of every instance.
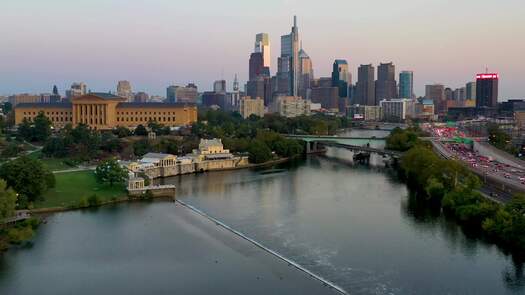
(501, 180)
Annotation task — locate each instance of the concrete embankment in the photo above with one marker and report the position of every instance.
(266, 249)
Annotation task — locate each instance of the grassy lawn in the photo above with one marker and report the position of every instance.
(52, 164)
(73, 186)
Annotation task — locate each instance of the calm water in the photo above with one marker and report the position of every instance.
(355, 226)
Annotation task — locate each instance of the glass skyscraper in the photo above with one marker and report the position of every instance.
(406, 84)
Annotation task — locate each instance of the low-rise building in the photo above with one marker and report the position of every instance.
(397, 110)
(17, 99)
(290, 106)
(364, 112)
(107, 111)
(425, 110)
(210, 155)
(251, 106)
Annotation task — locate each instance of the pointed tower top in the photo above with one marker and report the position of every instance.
(295, 20)
(235, 83)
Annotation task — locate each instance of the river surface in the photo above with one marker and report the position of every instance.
(355, 226)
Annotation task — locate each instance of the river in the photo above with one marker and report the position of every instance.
(355, 226)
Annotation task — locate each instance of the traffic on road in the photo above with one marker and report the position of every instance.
(448, 140)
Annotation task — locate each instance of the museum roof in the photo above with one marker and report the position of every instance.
(153, 105)
(32, 105)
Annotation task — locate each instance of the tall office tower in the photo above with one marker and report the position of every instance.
(256, 66)
(365, 88)
(180, 94)
(141, 97)
(260, 88)
(236, 94)
(77, 89)
(487, 90)
(470, 90)
(55, 97)
(386, 86)
(262, 45)
(306, 73)
(459, 94)
(219, 86)
(289, 60)
(406, 84)
(341, 76)
(324, 93)
(436, 93)
(124, 90)
(449, 94)
(171, 94)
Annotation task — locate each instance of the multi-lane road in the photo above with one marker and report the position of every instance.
(502, 180)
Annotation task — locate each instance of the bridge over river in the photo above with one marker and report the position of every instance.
(376, 142)
(368, 145)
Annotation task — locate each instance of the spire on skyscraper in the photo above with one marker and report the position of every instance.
(235, 83)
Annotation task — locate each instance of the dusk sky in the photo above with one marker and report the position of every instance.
(155, 43)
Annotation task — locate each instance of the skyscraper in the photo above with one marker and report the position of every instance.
(365, 89)
(436, 93)
(487, 90)
(406, 84)
(341, 77)
(141, 97)
(182, 94)
(124, 90)
(256, 65)
(219, 86)
(471, 90)
(235, 95)
(306, 73)
(262, 45)
(386, 86)
(77, 89)
(289, 60)
(55, 97)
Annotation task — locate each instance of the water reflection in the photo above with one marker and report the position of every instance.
(428, 217)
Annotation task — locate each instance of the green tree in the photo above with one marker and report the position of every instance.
(110, 143)
(13, 149)
(141, 130)
(27, 176)
(122, 131)
(93, 201)
(110, 172)
(259, 152)
(7, 107)
(141, 147)
(7, 201)
(42, 127)
(85, 142)
(25, 130)
(435, 189)
(55, 147)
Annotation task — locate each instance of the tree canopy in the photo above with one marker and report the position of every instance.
(40, 130)
(111, 172)
(27, 176)
(7, 201)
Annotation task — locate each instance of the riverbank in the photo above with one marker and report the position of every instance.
(72, 188)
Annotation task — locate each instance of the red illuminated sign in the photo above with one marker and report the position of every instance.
(487, 76)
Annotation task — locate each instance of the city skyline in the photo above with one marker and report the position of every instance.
(154, 58)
